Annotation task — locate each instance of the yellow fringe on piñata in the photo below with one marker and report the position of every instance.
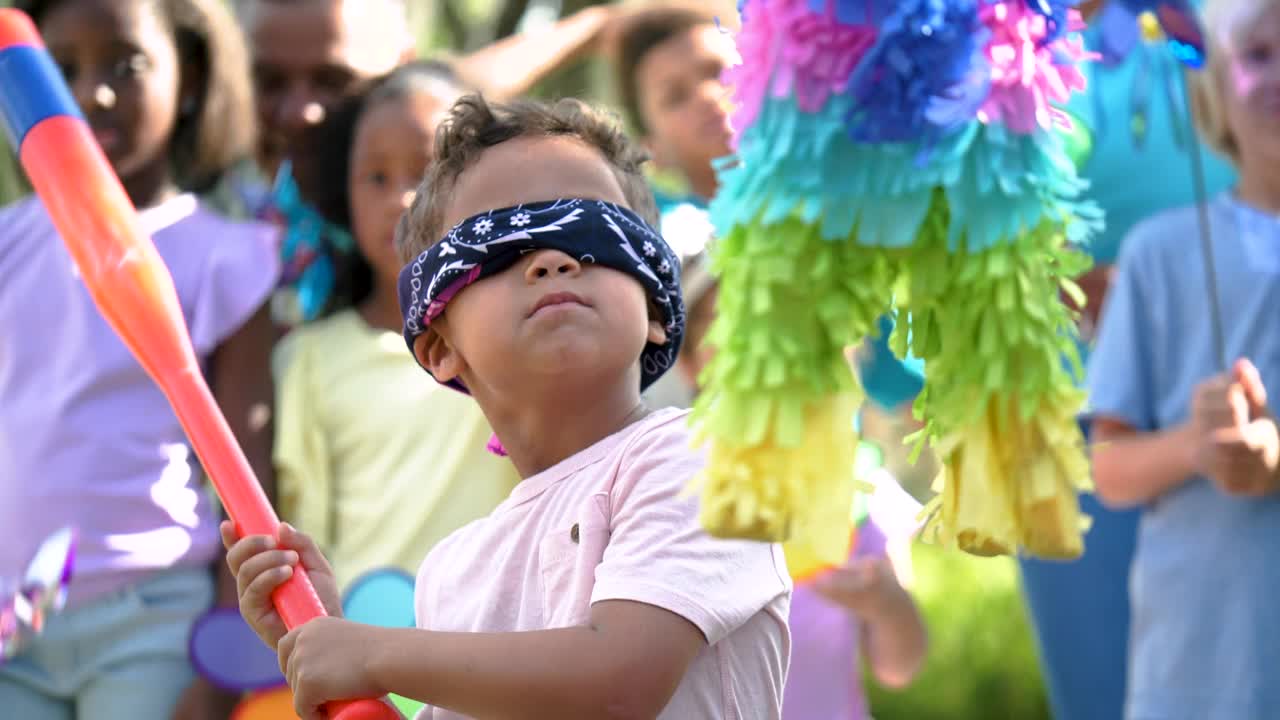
(1004, 424)
(781, 396)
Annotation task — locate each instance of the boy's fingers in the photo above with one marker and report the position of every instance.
(284, 649)
(256, 594)
(265, 562)
(228, 532)
(306, 548)
(246, 548)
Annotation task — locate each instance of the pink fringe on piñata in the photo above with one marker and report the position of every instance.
(1028, 75)
(788, 50)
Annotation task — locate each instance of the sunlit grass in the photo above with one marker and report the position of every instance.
(982, 661)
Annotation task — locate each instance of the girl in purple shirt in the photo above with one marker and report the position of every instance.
(86, 439)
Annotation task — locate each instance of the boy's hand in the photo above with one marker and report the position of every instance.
(260, 565)
(328, 659)
(867, 586)
(1238, 442)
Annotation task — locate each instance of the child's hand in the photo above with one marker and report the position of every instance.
(260, 565)
(328, 659)
(1238, 445)
(867, 586)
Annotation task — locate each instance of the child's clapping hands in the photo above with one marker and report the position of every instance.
(1238, 446)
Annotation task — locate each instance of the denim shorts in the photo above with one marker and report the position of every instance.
(121, 657)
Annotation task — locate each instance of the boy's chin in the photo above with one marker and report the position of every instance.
(576, 365)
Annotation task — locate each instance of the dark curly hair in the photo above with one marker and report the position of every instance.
(474, 125)
(221, 130)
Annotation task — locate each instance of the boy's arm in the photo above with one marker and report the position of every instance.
(1132, 468)
(511, 66)
(625, 662)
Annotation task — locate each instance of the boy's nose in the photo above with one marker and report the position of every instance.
(549, 263)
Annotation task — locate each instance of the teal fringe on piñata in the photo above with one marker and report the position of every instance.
(795, 163)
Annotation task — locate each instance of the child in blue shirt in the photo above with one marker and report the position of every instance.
(1194, 447)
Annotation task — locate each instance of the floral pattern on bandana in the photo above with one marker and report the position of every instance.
(592, 231)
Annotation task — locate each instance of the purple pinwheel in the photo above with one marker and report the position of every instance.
(1119, 30)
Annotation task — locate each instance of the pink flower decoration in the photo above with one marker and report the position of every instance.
(1027, 75)
(786, 50)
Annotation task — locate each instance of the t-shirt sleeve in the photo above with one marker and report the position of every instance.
(242, 269)
(659, 554)
(300, 451)
(1119, 373)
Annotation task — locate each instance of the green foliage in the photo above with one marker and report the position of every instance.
(982, 662)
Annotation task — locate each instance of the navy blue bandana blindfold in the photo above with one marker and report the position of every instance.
(591, 231)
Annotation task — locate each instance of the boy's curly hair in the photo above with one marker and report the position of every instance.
(220, 130)
(474, 125)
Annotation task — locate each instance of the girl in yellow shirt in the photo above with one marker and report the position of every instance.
(372, 460)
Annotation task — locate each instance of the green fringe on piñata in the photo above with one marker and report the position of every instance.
(1000, 394)
(779, 394)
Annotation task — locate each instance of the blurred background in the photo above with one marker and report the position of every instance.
(982, 658)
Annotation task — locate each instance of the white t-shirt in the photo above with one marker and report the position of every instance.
(613, 522)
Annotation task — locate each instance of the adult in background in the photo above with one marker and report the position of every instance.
(309, 56)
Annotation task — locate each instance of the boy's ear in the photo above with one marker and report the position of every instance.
(657, 332)
(438, 355)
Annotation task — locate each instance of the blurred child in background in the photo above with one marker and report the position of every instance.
(1195, 447)
(373, 462)
(87, 440)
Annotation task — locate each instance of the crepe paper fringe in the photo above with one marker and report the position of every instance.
(779, 392)
(1028, 74)
(799, 164)
(935, 184)
(1001, 412)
